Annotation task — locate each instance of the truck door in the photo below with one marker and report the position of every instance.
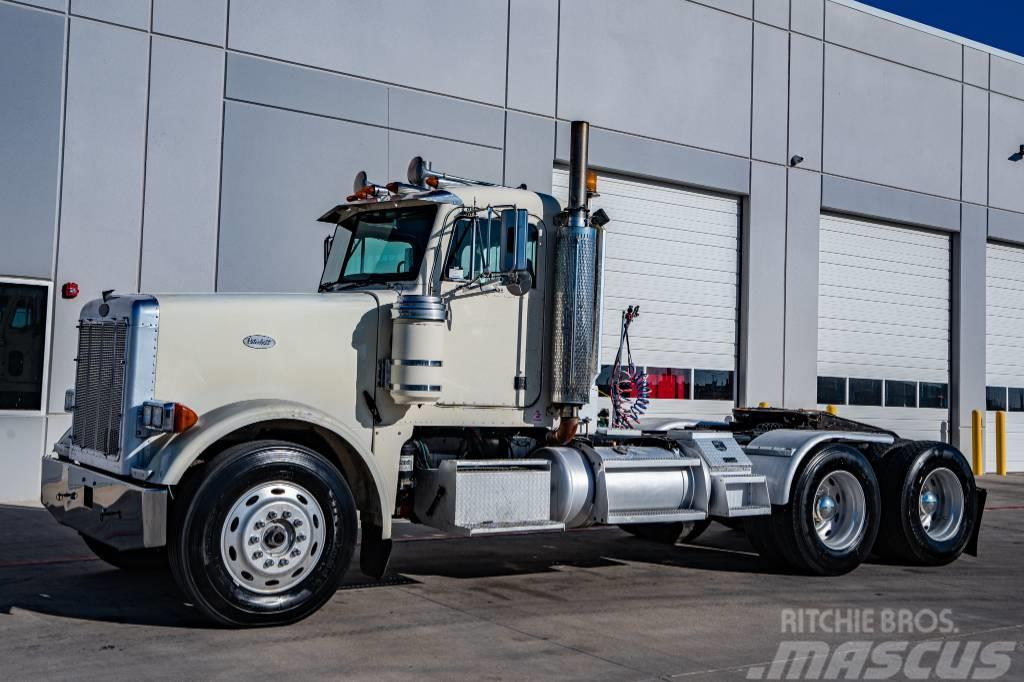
(494, 351)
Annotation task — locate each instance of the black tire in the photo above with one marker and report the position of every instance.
(789, 534)
(132, 560)
(668, 533)
(902, 472)
(201, 510)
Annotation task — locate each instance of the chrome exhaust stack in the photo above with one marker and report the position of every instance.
(575, 287)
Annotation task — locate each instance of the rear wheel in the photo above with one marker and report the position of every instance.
(668, 533)
(133, 560)
(832, 519)
(264, 537)
(929, 504)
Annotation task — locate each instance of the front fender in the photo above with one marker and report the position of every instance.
(778, 454)
(173, 456)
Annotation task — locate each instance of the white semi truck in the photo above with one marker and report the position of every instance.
(444, 373)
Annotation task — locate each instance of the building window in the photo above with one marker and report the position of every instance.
(712, 384)
(933, 395)
(23, 312)
(831, 391)
(995, 398)
(1015, 402)
(866, 392)
(669, 383)
(900, 394)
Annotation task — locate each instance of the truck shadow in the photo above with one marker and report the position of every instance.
(83, 588)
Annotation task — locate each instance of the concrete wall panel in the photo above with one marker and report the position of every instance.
(529, 151)
(885, 203)
(974, 182)
(641, 157)
(31, 73)
(763, 297)
(892, 125)
(445, 117)
(890, 40)
(976, 67)
(775, 12)
(1006, 169)
(202, 20)
(807, 17)
(179, 237)
(744, 7)
(800, 364)
(687, 80)
(448, 46)
(805, 67)
(104, 142)
(771, 108)
(1006, 77)
(134, 13)
(968, 342)
(57, 5)
(1005, 226)
(281, 171)
(264, 81)
(532, 55)
(21, 446)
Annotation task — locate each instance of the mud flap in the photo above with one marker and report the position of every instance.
(374, 552)
(972, 545)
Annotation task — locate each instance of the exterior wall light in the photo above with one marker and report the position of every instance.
(796, 159)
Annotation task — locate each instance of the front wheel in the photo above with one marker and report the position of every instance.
(264, 536)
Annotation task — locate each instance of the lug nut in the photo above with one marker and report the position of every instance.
(282, 562)
(257, 554)
(253, 540)
(268, 563)
(300, 538)
(271, 516)
(286, 515)
(295, 553)
(258, 525)
(297, 522)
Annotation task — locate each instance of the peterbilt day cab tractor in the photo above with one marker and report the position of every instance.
(444, 373)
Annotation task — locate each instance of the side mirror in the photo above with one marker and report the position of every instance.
(328, 242)
(515, 234)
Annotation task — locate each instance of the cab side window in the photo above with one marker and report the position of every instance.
(467, 259)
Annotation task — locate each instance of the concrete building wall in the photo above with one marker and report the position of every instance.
(186, 145)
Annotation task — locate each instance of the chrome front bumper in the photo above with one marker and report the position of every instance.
(117, 513)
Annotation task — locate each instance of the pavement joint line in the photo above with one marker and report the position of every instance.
(532, 636)
(955, 635)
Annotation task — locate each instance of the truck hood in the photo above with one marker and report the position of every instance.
(315, 349)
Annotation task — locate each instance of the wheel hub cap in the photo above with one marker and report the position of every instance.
(941, 504)
(840, 511)
(272, 537)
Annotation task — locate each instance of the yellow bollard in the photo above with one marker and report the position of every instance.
(1001, 443)
(831, 409)
(977, 443)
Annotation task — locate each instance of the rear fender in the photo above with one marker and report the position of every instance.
(778, 454)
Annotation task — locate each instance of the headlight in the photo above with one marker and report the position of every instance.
(167, 417)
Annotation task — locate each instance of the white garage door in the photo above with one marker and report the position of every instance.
(1004, 351)
(675, 253)
(884, 325)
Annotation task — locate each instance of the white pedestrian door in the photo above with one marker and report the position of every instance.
(884, 325)
(1004, 352)
(675, 253)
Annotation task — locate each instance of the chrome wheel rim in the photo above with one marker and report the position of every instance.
(840, 511)
(273, 537)
(941, 504)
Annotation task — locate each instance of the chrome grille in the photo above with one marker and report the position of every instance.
(99, 385)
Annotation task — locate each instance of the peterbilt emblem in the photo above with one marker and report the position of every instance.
(259, 341)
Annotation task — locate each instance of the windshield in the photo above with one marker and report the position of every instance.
(379, 246)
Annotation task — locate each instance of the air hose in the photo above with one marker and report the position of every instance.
(629, 388)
